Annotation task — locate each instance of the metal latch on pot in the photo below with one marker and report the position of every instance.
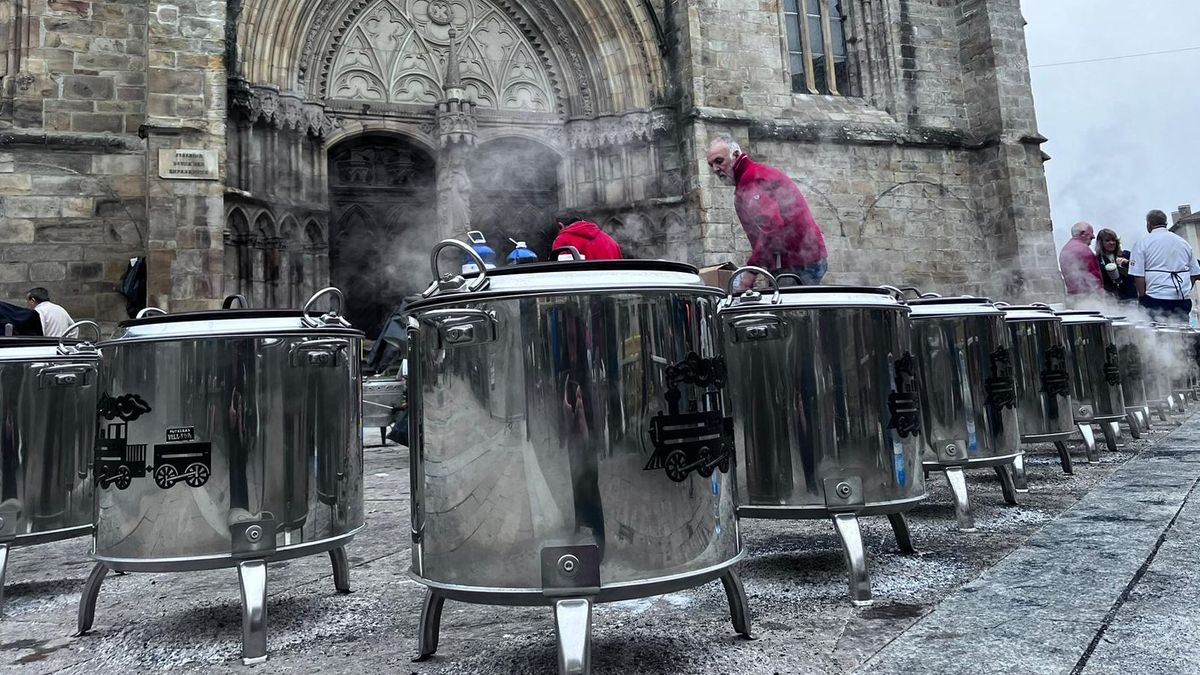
(319, 353)
(758, 327)
(463, 327)
(66, 375)
(844, 493)
(251, 535)
(571, 570)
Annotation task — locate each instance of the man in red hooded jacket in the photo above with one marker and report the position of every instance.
(587, 238)
(784, 236)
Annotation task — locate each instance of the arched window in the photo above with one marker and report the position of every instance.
(238, 266)
(816, 35)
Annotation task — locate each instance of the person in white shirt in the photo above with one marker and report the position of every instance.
(55, 319)
(1164, 268)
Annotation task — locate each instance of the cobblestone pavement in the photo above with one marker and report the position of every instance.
(1084, 567)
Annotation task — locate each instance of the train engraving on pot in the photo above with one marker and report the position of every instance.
(700, 441)
(904, 403)
(1054, 377)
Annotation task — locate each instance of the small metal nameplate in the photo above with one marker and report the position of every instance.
(181, 434)
(188, 164)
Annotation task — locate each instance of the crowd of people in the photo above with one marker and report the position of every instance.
(1157, 274)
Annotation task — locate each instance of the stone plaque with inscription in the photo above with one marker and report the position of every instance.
(188, 164)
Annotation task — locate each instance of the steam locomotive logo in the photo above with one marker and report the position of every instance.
(700, 441)
(1000, 386)
(1131, 359)
(902, 402)
(1055, 381)
(118, 461)
(1112, 366)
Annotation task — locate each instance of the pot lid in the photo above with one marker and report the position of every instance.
(575, 276)
(1015, 313)
(155, 324)
(37, 348)
(815, 297)
(964, 305)
(1082, 316)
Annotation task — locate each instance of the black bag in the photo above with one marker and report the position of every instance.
(399, 431)
(133, 287)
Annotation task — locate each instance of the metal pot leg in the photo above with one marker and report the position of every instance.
(739, 609)
(903, 535)
(3, 571)
(1162, 412)
(1112, 432)
(430, 626)
(962, 502)
(573, 626)
(846, 525)
(1135, 425)
(341, 569)
(1064, 457)
(1089, 442)
(1145, 418)
(1007, 485)
(87, 601)
(252, 578)
(1018, 473)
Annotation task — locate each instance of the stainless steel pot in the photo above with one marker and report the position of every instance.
(569, 440)
(970, 397)
(1042, 380)
(228, 438)
(1156, 366)
(824, 388)
(1094, 361)
(47, 403)
(1176, 364)
(1132, 364)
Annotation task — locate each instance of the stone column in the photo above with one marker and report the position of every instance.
(456, 126)
(186, 111)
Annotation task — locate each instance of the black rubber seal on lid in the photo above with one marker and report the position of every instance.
(955, 300)
(217, 315)
(1080, 312)
(788, 290)
(626, 265)
(33, 341)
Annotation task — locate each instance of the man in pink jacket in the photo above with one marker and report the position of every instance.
(1079, 266)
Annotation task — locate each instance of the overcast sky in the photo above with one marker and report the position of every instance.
(1123, 133)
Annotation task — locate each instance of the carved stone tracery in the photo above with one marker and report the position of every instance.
(395, 52)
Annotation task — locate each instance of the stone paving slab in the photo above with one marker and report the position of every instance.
(1039, 609)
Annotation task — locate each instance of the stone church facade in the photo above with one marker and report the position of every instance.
(334, 141)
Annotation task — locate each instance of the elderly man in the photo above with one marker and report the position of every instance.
(1079, 266)
(1164, 269)
(55, 319)
(784, 236)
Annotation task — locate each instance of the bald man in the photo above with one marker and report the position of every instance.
(1079, 266)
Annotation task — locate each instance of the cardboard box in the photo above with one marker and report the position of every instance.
(718, 275)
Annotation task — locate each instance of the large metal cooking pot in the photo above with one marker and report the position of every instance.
(965, 352)
(228, 438)
(1128, 339)
(1043, 383)
(1094, 362)
(47, 407)
(569, 440)
(1176, 364)
(824, 388)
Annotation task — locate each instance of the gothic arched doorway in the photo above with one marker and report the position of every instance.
(383, 224)
(514, 194)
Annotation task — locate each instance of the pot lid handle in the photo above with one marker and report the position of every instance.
(911, 289)
(333, 316)
(897, 293)
(150, 311)
(84, 345)
(575, 254)
(751, 295)
(1000, 304)
(449, 283)
(241, 300)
